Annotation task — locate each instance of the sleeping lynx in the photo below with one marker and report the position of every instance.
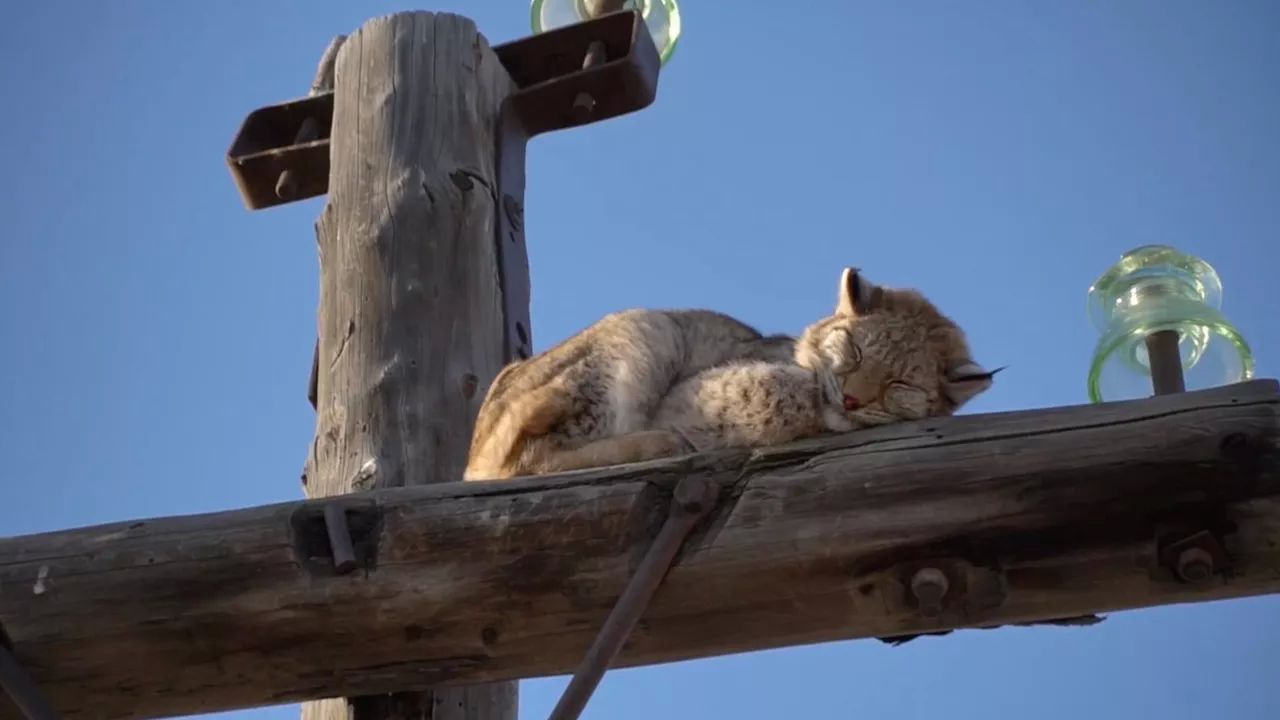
(641, 384)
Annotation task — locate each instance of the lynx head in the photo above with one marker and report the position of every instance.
(894, 355)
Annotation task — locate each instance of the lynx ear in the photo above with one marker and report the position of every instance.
(967, 380)
(858, 296)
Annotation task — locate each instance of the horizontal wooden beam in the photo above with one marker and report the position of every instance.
(1029, 516)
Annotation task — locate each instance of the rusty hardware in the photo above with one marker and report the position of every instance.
(1195, 565)
(271, 150)
(929, 585)
(566, 77)
(281, 152)
(334, 536)
(1196, 558)
(613, 61)
(20, 688)
(1165, 361)
(583, 103)
(692, 500)
(611, 58)
(287, 182)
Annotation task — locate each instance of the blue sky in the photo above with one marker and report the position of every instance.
(998, 155)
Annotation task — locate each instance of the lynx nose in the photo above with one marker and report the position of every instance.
(851, 403)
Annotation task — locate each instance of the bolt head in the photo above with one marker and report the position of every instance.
(1195, 565)
(929, 585)
(695, 494)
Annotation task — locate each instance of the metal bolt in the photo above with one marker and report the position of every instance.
(595, 55)
(1195, 565)
(695, 495)
(929, 585)
(287, 185)
(583, 106)
(287, 182)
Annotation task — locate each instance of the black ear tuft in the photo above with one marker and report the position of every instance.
(982, 375)
(966, 380)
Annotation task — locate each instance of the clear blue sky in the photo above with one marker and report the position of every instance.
(998, 155)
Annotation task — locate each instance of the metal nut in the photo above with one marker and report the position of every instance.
(929, 585)
(1195, 565)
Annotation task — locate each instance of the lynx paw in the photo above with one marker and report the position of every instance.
(829, 392)
(831, 402)
(658, 444)
(836, 421)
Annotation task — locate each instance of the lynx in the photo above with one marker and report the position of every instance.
(644, 384)
(606, 381)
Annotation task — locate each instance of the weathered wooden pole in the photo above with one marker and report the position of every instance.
(411, 309)
(424, 273)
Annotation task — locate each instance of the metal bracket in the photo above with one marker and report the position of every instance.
(692, 500)
(939, 586)
(570, 76)
(287, 141)
(281, 152)
(582, 73)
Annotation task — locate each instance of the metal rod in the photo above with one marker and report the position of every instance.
(344, 555)
(1165, 361)
(22, 689)
(600, 8)
(287, 183)
(584, 104)
(693, 499)
(595, 55)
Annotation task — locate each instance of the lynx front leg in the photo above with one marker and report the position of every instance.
(831, 401)
(618, 450)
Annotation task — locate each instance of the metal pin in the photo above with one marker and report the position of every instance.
(693, 499)
(287, 184)
(335, 521)
(1165, 361)
(584, 104)
(595, 55)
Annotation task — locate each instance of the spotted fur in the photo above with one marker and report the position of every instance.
(897, 357)
(644, 384)
(544, 414)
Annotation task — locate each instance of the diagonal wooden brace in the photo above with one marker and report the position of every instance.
(693, 498)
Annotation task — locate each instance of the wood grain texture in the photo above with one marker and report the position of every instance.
(411, 313)
(1036, 515)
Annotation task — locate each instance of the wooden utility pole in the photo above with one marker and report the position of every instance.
(966, 522)
(420, 143)
(411, 309)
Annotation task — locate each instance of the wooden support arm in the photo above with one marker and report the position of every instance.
(1025, 516)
